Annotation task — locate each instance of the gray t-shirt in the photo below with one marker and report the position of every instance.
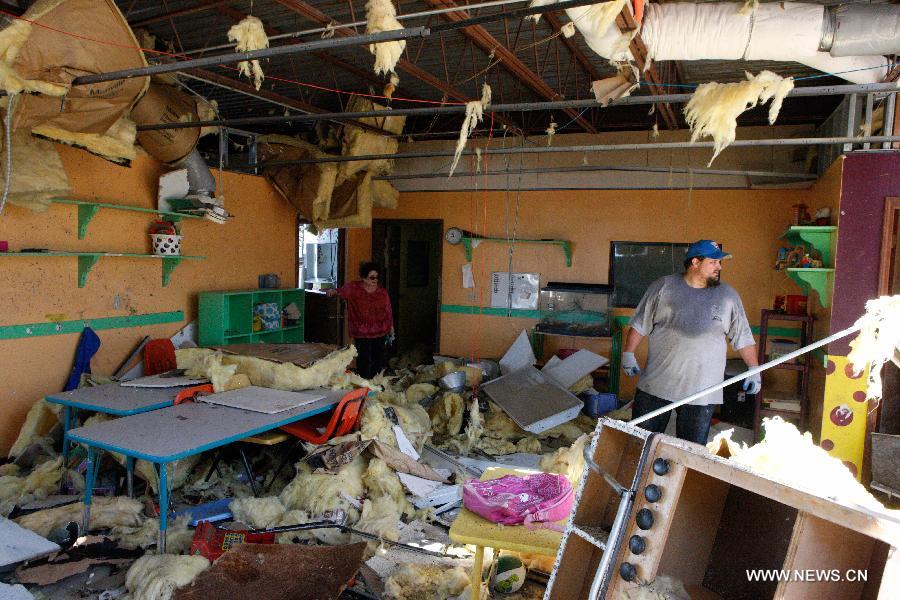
(686, 328)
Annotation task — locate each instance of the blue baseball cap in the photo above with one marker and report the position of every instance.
(706, 249)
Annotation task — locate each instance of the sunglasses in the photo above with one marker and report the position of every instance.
(373, 277)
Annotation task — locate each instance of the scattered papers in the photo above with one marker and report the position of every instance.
(567, 372)
(264, 400)
(519, 355)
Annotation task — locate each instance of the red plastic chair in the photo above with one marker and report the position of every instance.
(159, 357)
(190, 394)
(343, 419)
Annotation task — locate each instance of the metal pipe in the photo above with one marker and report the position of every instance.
(826, 90)
(356, 40)
(823, 141)
(221, 59)
(591, 168)
(861, 30)
(424, 13)
(747, 373)
(887, 126)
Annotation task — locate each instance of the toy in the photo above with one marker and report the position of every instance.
(781, 260)
(510, 575)
(823, 216)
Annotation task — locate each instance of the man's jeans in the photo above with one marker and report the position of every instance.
(691, 423)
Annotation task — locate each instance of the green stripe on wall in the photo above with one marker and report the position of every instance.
(491, 311)
(11, 332)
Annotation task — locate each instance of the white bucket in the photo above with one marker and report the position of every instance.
(165, 244)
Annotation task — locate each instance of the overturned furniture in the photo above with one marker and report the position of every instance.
(652, 505)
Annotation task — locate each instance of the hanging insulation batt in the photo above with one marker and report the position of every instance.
(166, 104)
(249, 35)
(714, 107)
(359, 142)
(351, 203)
(43, 179)
(878, 341)
(307, 187)
(381, 16)
(474, 115)
(89, 113)
(384, 194)
(156, 577)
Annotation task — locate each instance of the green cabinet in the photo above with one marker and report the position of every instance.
(227, 317)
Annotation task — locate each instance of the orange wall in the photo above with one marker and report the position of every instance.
(260, 239)
(748, 223)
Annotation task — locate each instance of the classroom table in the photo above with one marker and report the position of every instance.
(169, 434)
(111, 399)
(469, 528)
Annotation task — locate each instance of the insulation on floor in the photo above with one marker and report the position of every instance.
(258, 513)
(41, 417)
(317, 493)
(661, 588)
(37, 174)
(178, 535)
(567, 461)
(106, 513)
(381, 517)
(40, 483)
(156, 577)
(426, 582)
(447, 414)
(413, 419)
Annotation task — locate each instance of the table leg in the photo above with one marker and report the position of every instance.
(475, 579)
(129, 467)
(67, 423)
(249, 473)
(90, 478)
(163, 508)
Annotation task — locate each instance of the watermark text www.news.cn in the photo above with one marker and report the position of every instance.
(811, 575)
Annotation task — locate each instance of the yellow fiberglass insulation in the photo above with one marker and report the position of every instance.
(714, 107)
(41, 417)
(381, 517)
(116, 145)
(597, 18)
(414, 421)
(361, 142)
(786, 455)
(878, 340)
(208, 110)
(474, 115)
(9, 469)
(567, 461)
(43, 179)
(202, 362)
(316, 493)
(426, 582)
(381, 16)
(12, 39)
(380, 480)
(663, 587)
(419, 391)
(105, 514)
(495, 446)
(530, 445)
(156, 577)
(178, 535)
(447, 414)
(384, 194)
(258, 513)
(40, 483)
(249, 34)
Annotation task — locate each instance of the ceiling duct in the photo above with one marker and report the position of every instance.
(857, 36)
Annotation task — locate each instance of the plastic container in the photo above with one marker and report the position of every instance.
(795, 304)
(165, 244)
(597, 404)
(575, 309)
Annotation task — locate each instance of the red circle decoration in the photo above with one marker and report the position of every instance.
(850, 466)
(830, 367)
(859, 396)
(827, 445)
(848, 371)
(841, 415)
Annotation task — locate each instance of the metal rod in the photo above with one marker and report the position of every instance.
(356, 40)
(591, 168)
(890, 104)
(596, 148)
(748, 373)
(221, 59)
(827, 90)
(424, 13)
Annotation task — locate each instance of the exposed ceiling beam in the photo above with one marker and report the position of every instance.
(178, 13)
(583, 60)
(317, 16)
(512, 63)
(626, 23)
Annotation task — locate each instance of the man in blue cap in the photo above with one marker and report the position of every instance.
(687, 319)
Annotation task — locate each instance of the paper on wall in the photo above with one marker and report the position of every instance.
(468, 279)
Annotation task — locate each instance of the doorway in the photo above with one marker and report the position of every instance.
(410, 251)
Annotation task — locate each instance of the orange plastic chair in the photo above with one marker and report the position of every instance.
(343, 419)
(190, 394)
(159, 357)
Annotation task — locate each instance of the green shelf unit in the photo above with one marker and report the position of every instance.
(469, 242)
(820, 280)
(87, 260)
(820, 237)
(87, 210)
(226, 317)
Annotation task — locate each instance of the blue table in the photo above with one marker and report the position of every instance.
(166, 435)
(111, 399)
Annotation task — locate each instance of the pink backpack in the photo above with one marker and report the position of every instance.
(514, 500)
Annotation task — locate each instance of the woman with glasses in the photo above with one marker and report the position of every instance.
(370, 318)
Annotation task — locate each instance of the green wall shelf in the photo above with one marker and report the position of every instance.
(226, 317)
(87, 260)
(469, 242)
(820, 237)
(821, 280)
(87, 210)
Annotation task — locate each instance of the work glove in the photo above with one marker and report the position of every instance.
(389, 339)
(753, 384)
(630, 364)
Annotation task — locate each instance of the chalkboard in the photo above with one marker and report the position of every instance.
(633, 266)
